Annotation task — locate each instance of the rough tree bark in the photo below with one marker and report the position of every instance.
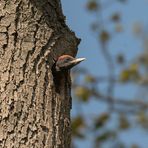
(35, 102)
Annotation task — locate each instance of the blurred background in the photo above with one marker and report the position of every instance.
(110, 88)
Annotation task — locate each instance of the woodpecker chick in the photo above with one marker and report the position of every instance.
(66, 62)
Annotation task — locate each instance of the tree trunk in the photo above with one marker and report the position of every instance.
(35, 102)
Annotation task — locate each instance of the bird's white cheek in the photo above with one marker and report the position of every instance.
(57, 68)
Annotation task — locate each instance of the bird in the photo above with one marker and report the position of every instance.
(66, 62)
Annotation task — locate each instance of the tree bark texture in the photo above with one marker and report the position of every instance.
(35, 101)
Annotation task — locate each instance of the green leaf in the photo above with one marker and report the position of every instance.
(123, 122)
(134, 72)
(115, 17)
(125, 75)
(90, 79)
(77, 125)
(83, 93)
(93, 6)
(143, 119)
(103, 118)
(104, 36)
(105, 136)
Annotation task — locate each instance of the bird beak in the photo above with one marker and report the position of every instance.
(77, 61)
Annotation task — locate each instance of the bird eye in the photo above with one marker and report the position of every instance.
(67, 60)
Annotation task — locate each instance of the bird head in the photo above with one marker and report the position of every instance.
(66, 62)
